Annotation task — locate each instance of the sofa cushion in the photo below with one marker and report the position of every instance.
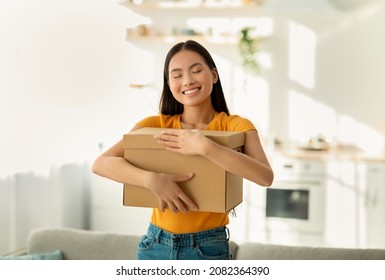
(56, 255)
(259, 251)
(82, 244)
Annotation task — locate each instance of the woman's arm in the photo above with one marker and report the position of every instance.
(111, 164)
(252, 165)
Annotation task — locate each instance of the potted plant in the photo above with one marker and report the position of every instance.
(248, 48)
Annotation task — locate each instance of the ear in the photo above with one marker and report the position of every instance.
(215, 75)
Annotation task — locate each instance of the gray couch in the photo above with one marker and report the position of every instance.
(96, 245)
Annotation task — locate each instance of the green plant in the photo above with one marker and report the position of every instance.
(248, 48)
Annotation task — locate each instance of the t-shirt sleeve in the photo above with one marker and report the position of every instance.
(241, 124)
(152, 121)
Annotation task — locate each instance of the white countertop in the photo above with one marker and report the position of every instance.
(332, 154)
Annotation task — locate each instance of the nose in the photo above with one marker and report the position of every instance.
(188, 79)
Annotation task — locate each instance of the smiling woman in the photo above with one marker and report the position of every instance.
(192, 100)
(191, 84)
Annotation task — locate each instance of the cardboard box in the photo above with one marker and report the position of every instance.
(212, 188)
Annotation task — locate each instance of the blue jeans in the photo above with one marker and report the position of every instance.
(159, 244)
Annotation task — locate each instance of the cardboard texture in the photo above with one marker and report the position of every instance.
(212, 188)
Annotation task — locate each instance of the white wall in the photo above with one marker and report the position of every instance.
(64, 81)
(346, 75)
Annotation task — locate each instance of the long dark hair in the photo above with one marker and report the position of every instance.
(168, 104)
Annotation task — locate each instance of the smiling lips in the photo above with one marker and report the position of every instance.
(191, 91)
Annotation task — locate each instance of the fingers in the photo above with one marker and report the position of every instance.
(170, 141)
(190, 204)
(167, 136)
(183, 141)
(179, 201)
(162, 206)
(179, 205)
(172, 132)
(175, 206)
(183, 177)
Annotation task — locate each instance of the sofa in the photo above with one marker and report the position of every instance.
(76, 244)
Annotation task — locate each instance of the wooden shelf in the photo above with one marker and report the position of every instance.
(231, 40)
(183, 5)
(169, 21)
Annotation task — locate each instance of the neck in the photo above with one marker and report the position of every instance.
(196, 119)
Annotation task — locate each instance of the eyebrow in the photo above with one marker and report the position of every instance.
(179, 69)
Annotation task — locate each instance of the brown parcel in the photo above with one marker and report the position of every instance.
(212, 188)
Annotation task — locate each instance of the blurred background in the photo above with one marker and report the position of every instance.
(77, 75)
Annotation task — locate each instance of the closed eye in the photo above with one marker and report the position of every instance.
(196, 69)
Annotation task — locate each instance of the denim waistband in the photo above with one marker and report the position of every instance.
(187, 239)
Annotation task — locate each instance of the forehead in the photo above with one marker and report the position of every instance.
(185, 58)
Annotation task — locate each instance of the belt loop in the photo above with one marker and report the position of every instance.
(227, 233)
(158, 235)
(192, 240)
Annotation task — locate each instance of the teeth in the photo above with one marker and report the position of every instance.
(187, 92)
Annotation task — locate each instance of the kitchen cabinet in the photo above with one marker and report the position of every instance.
(341, 223)
(371, 191)
(352, 196)
(355, 204)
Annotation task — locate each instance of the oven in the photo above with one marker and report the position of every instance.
(295, 203)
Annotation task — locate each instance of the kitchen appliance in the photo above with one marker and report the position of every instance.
(294, 206)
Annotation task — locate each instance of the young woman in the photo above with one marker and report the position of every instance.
(192, 100)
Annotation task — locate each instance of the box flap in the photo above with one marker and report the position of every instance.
(143, 138)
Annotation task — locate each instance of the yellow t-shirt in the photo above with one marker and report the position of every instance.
(194, 221)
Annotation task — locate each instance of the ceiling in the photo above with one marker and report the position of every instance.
(319, 5)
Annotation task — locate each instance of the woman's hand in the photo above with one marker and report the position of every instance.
(183, 141)
(252, 165)
(169, 194)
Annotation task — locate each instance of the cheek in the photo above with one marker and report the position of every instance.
(174, 90)
(174, 87)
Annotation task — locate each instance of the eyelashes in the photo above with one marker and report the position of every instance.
(180, 75)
